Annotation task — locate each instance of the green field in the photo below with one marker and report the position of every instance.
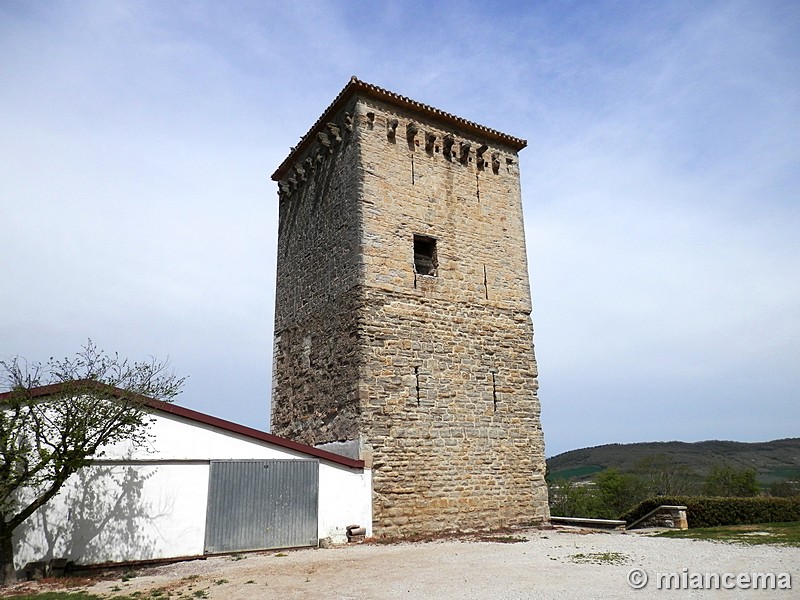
(781, 474)
(575, 472)
(779, 534)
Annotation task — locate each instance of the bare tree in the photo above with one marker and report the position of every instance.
(664, 476)
(55, 417)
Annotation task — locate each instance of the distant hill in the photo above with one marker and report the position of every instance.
(773, 461)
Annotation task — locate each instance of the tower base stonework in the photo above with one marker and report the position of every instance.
(402, 320)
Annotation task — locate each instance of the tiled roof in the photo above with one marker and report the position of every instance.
(356, 86)
(197, 417)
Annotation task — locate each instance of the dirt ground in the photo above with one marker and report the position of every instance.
(525, 564)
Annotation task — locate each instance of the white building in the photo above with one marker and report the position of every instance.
(202, 486)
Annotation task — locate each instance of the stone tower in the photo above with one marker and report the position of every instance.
(402, 320)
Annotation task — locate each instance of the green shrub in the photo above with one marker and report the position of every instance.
(570, 499)
(726, 480)
(784, 489)
(705, 511)
(604, 498)
(618, 491)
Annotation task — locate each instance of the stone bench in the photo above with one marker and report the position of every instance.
(591, 523)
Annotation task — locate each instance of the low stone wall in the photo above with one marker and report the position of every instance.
(671, 517)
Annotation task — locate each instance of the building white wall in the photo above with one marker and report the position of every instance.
(177, 438)
(345, 498)
(149, 502)
(119, 513)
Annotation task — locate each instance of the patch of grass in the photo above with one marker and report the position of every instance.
(779, 534)
(237, 556)
(220, 581)
(249, 581)
(281, 554)
(600, 558)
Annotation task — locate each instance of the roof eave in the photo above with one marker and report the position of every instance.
(192, 415)
(355, 86)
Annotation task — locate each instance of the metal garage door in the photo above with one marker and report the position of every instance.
(261, 504)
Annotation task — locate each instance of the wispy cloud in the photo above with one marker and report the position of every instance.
(659, 186)
(663, 253)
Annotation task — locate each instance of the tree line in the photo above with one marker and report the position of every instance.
(612, 492)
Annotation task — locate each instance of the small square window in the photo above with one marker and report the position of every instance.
(425, 262)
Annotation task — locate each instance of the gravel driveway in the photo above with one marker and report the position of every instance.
(545, 564)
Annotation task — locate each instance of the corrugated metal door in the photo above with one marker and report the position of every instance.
(262, 504)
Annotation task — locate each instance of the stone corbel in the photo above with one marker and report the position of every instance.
(391, 129)
(430, 140)
(348, 121)
(411, 132)
(480, 161)
(325, 141)
(447, 146)
(464, 158)
(495, 164)
(301, 173)
(335, 132)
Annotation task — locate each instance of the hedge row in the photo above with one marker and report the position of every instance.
(703, 511)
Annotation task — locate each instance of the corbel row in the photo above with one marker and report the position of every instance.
(449, 151)
(326, 141)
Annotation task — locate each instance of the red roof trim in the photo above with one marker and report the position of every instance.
(205, 419)
(249, 432)
(355, 85)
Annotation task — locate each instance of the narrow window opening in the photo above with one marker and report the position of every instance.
(416, 376)
(412, 169)
(425, 262)
(485, 282)
(494, 392)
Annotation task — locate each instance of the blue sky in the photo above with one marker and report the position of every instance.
(660, 186)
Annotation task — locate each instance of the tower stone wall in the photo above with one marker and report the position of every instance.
(422, 360)
(316, 354)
